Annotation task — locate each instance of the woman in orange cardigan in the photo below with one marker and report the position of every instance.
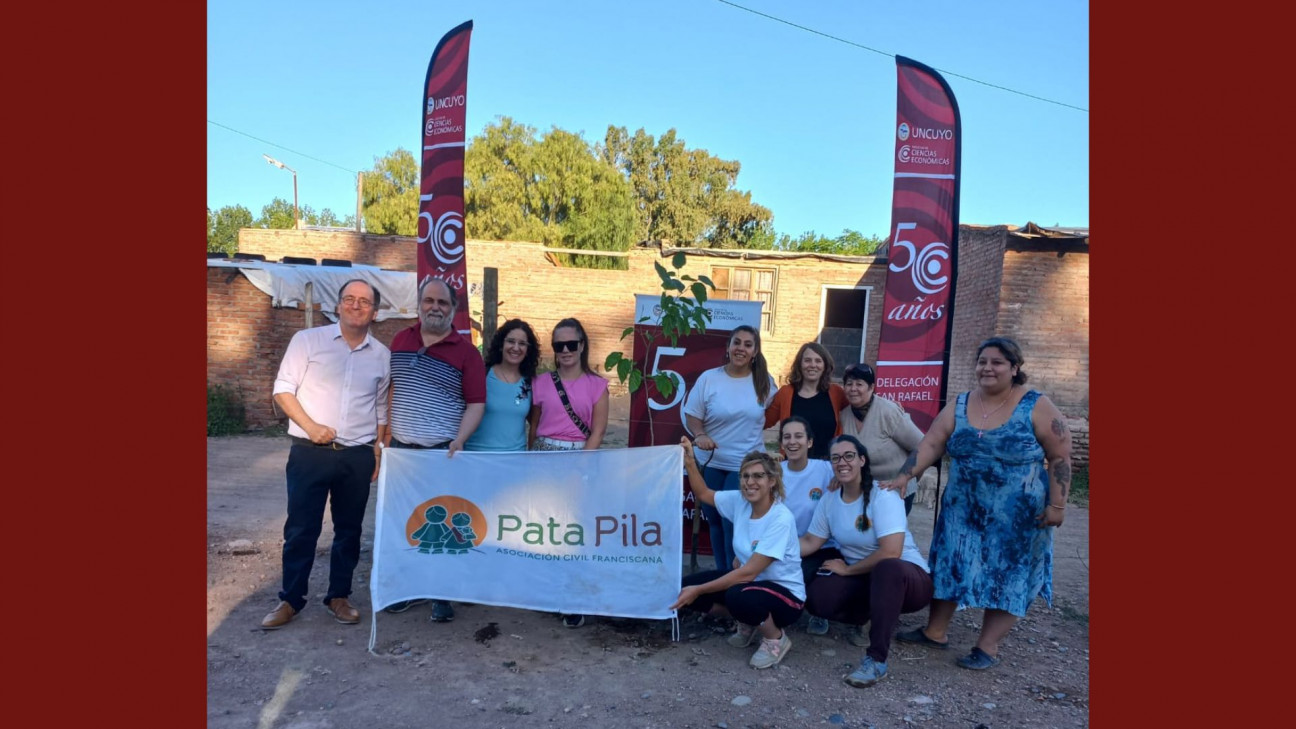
(810, 393)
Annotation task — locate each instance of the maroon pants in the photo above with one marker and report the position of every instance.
(878, 598)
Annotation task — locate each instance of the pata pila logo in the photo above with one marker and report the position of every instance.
(446, 525)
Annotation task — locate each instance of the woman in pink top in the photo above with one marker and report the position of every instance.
(581, 421)
(575, 416)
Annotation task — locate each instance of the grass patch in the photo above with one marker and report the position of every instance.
(1080, 486)
(225, 413)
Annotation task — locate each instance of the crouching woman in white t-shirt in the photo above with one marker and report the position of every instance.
(765, 593)
(882, 574)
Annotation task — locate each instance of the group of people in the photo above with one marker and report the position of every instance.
(823, 528)
(819, 527)
(347, 397)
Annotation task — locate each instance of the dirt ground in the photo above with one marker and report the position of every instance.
(316, 673)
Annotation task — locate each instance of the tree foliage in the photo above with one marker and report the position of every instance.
(391, 194)
(326, 217)
(278, 214)
(683, 195)
(849, 243)
(551, 188)
(558, 189)
(223, 227)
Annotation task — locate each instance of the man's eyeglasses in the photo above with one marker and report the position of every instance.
(352, 301)
(848, 456)
(571, 345)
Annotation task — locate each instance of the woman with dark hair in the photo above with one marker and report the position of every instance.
(881, 573)
(511, 360)
(570, 404)
(725, 412)
(993, 546)
(880, 424)
(810, 394)
(806, 481)
(764, 593)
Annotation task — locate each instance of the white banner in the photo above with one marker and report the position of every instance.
(575, 532)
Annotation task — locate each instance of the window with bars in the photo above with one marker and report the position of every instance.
(743, 283)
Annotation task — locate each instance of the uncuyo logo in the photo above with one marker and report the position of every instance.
(903, 131)
(446, 525)
(816, 494)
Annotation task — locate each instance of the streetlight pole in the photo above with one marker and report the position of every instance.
(282, 166)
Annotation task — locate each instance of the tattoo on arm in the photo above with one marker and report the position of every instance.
(909, 463)
(1060, 428)
(1061, 469)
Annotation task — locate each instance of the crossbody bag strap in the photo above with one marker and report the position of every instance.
(562, 395)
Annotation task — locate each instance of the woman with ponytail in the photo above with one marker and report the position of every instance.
(881, 574)
(725, 413)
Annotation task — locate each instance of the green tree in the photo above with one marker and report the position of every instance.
(326, 217)
(223, 227)
(277, 215)
(552, 188)
(683, 195)
(391, 194)
(849, 243)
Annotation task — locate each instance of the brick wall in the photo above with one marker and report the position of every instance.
(1045, 308)
(976, 298)
(1035, 296)
(247, 337)
(392, 252)
(1037, 293)
(534, 288)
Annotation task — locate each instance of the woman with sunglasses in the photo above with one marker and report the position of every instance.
(881, 573)
(880, 424)
(764, 593)
(511, 361)
(812, 395)
(570, 404)
(725, 412)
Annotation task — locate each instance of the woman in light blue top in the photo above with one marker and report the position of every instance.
(511, 363)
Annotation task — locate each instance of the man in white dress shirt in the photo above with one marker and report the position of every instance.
(332, 385)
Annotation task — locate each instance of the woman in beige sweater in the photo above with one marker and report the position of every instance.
(881, 425)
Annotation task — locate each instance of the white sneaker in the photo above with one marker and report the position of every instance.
(742, 637)
(771, 651)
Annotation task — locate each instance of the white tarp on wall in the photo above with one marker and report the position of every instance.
(286, 285)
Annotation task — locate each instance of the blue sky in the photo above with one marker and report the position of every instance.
(336, 84)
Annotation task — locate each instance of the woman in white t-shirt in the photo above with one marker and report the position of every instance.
(806, 481)
(881, 574)
(765, 592)
(725, 412)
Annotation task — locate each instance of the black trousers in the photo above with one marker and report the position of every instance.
(748, 602)
(317, 475)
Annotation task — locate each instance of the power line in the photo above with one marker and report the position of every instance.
(892, 55)
(280, 146)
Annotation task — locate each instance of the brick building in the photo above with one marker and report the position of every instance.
(1029, 283)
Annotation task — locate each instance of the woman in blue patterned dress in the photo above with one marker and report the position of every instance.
(993, 543)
